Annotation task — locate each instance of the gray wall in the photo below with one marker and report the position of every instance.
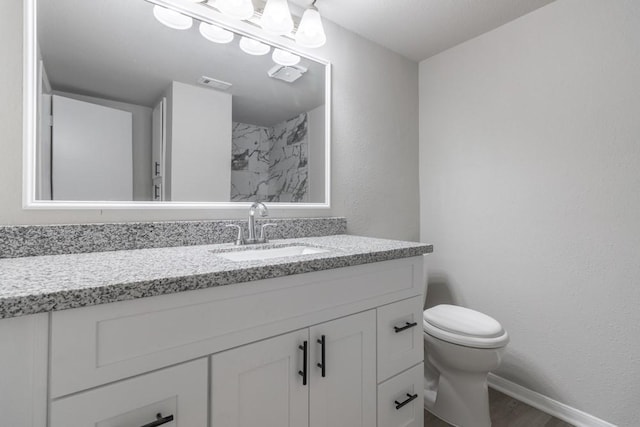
(374, 140)
(530, 192)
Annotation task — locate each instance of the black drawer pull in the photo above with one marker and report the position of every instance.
(303, 373)
(410, 397)
(159, 421)
(406, 326)
(323, 362)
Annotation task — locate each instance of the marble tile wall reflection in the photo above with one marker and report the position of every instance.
(270, 164)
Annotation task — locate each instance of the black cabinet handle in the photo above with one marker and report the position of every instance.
(157, 169)
(159, 421)
(405, 327)
(410, 397)
(303, 373)
(323, 361)
(156, 191)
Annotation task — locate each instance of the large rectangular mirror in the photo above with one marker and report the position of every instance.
(125, 111)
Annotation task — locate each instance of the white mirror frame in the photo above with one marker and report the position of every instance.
(200, 12)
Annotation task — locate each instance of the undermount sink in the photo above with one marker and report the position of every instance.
(267, 253)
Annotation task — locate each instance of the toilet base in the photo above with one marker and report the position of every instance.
(460, 402)
(456, 388)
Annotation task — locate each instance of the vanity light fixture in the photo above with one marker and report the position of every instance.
(254, 47)
(237, 9)
(215, 34)
(276, 18)
(284, 57)
(310, 31)
(171, 18)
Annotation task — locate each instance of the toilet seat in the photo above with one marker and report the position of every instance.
(463, 326)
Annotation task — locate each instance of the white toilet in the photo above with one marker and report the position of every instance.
(461, 347)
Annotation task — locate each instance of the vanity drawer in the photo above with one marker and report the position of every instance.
(178, 394)
(96, 345)
(400, 341)
(400, 401)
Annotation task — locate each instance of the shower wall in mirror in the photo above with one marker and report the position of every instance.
(271, 164)
(133, 111)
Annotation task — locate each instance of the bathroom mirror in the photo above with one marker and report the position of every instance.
(123, 111)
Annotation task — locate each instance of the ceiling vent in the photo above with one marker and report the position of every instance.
(288, 74)
(213, 83)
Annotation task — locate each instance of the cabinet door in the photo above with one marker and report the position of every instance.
(177, 395)
(259, 384)
(346, 395)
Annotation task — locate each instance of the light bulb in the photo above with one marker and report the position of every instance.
(276, 18)
(254, 47)
(215, 34)
(171, 18)
(310, 31)
(237, 9)
(284, 57)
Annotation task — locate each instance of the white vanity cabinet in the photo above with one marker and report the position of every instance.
(400, 399)
(400, 346)
(281, 381)
(233, 354)
(258, 384)
(346, 395)
(176, 396)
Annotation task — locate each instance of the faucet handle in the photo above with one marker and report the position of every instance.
(263, 236)
(240, 238)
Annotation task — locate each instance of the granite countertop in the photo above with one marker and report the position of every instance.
(57, 282)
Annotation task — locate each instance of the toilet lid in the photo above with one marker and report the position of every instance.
(464, 326)
(463, 321)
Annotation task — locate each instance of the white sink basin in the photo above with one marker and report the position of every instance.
(260, 254)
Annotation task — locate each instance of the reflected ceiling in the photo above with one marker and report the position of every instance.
(116, 49)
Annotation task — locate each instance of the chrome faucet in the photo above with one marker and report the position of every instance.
(251, 238)
(252, 220)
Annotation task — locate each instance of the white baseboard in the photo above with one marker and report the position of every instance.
(546, 404)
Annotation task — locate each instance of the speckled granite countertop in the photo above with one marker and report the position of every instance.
(57, 282)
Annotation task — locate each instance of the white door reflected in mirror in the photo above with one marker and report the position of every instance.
(91, 156)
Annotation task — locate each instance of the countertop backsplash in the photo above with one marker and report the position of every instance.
(35, 240)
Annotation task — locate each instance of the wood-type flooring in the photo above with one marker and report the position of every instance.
(507, 412)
